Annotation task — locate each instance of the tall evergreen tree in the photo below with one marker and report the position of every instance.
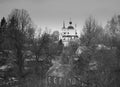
(19, 22)
(2, 31)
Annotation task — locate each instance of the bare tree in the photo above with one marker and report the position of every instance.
(19, 25)
(91, 32)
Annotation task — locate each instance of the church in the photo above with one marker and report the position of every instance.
(68, 33)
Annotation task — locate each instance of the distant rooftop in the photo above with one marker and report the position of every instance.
(59, 70)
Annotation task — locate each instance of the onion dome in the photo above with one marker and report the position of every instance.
(70, 27)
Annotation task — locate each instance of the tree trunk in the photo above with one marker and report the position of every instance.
(20, 62)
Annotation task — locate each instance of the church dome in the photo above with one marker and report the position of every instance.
(70, 27)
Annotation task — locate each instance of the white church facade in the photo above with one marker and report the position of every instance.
(68, 33)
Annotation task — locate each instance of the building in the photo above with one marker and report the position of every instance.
(68, 33)
(62, 76)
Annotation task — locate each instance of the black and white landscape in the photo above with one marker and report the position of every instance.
(59, 43)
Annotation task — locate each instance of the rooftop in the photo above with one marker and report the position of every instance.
(59, 70)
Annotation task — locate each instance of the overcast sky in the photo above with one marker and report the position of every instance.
(51, 13)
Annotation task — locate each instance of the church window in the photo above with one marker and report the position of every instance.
(60, 80)
(49, 80)
(69, 80)
(55, 80)
(64, 32)
(73, 81)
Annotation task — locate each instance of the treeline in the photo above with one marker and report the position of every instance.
(25, 59)
(99, 54)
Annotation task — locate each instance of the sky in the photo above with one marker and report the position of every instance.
(52, 13)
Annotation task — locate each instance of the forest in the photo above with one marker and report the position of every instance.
(25, 57)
